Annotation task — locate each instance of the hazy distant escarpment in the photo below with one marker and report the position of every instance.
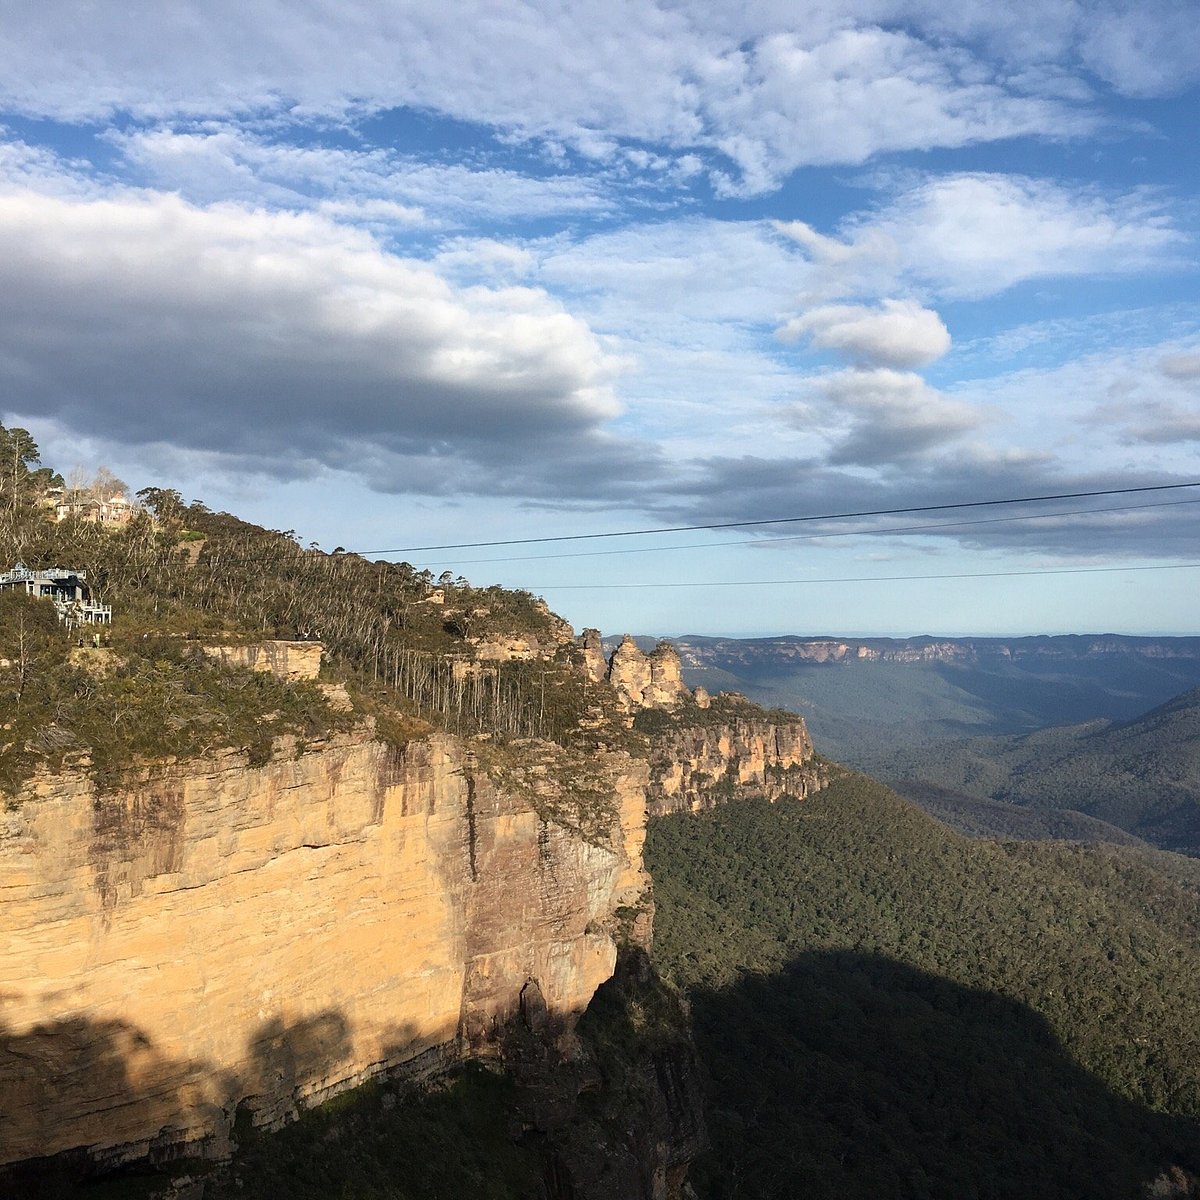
(857, 693)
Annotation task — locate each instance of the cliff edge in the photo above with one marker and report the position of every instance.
(216, 935)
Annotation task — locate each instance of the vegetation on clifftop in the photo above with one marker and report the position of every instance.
(723, 709)
(140, 699)
(179, 576)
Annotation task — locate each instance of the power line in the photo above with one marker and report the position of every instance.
(842, 516)
(593, 587)
(808, 537)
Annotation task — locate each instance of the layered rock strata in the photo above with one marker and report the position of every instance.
(694, 766)
(286, 660)
(217, 935)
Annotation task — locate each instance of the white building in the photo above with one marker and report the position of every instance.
(67, 589)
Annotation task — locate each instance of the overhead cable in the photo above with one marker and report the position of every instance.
(593, 587)
(875, 531)
(838, 516)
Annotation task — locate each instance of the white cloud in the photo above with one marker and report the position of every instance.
(772, 87)
(225, 163)
(1144, 47)
(894, 416)
(861, 92)
(899, 333)
(26, 166)
(969, 235)
(689, 268)
(289, 340)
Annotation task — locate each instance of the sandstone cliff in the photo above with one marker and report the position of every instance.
(640, 680)
(217, 934)
(286, 660)
(216, 938)
(705, 756)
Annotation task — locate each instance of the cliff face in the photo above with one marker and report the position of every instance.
(695, 766)
(287, 660)
(640, 680)
(217, 934)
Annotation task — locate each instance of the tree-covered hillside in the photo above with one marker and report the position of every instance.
(179, 576)
(889, 1009)
(1140, 776)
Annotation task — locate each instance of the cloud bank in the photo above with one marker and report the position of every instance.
(758, 87)
(295, 341)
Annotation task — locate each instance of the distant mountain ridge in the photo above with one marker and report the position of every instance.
(1142, 776)
(860, 693)
(701, 650)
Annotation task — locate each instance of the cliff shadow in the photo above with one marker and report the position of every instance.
(112, 1108)
(852, 1075)
(422, 1126)
(71, 1085)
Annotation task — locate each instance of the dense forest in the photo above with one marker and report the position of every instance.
(887, 1008)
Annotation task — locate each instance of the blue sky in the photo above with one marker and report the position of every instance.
(395, 275)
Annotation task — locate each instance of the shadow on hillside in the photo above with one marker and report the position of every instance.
(851, 1075)
(77, 1083)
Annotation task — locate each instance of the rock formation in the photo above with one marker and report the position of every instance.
(641, 680)
(594, 660)
(287, 660)
(217, 935)
(512, 647)
(696, 765)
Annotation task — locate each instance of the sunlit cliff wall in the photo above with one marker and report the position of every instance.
(698, 766)
(218, 933)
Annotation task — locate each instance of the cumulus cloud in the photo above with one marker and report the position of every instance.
(898, 333)
(894, 416)
(293, 341)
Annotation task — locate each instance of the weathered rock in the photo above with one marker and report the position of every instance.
(286, 660)
(666, 678)
(694, 766)
(653, 680)
(594, 660)
(511, 647)
(218, 934)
